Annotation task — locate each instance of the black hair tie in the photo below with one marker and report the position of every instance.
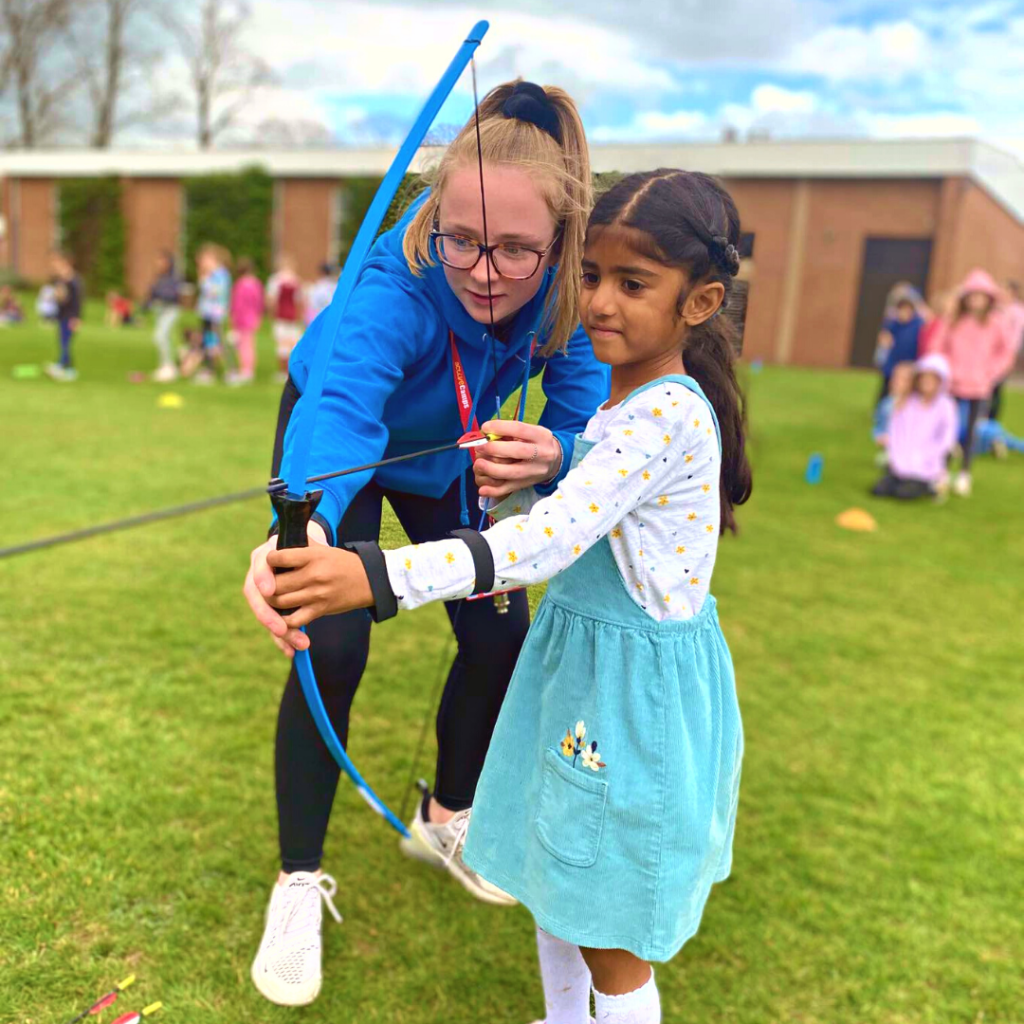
(530, 103)
(725, 254)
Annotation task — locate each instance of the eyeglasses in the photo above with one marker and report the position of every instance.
(511, 261)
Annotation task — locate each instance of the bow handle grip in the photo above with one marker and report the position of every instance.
(293, 516)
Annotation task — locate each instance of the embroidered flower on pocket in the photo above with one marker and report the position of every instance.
(574, 746)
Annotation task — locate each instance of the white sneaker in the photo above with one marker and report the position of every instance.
(591, 1019)
(441, 847)
(165, 374)
(962, 484)
(287, 966)
(204, 377)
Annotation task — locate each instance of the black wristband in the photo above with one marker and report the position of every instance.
(483, 560)
(385, 604)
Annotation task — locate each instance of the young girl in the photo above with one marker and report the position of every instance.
(921, 435)
(977, 339)
(414, 359)
(608, 798)
(165, 298)
(214, 300)
(284, 302)
(246, 314)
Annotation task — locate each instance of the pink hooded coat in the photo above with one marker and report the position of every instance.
(922, 434)
(980, 353)
(247, 303)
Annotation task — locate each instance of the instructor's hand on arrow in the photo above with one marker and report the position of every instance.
(261, 584)
(526, 455)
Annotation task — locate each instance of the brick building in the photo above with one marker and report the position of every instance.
(829, 225)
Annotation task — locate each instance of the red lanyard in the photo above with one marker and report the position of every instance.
(463, 395)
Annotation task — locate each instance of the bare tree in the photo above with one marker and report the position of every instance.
(117, 68)
(222, 71)
(31, 32)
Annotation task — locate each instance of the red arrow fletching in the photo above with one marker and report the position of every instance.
(107, 1000)
(128, 1018)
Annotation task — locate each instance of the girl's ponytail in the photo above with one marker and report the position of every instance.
(709, 361)
(692, 223)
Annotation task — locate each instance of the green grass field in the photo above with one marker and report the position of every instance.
(879, 868)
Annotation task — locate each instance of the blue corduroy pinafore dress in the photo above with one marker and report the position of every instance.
(624, 857)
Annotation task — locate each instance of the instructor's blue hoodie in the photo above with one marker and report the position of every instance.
(389, 388)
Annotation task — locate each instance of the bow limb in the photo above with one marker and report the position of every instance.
(296, 458)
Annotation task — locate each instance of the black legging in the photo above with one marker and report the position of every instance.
(973, 412)
(488, 646)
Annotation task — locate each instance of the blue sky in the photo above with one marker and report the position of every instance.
(663, 69)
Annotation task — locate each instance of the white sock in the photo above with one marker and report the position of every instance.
(642, 1006)
(566, 979)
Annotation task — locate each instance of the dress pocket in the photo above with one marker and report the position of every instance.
(570, 815)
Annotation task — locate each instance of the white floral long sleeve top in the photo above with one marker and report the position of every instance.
(650, 484)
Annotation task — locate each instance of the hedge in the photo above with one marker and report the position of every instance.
(92, 231)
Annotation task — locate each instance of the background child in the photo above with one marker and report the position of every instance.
(1014, 313)
(10, 309)
(246, 315)
(214, 300)
(608, 798)
(321, 291)
(976, 338)
(284, 303)
(68, 293)
(899, 338)
(120, 312)
(901, 383)
(165, 300)
(922, 433)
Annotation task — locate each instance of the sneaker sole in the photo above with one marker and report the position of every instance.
(273, 995)
(418, 848)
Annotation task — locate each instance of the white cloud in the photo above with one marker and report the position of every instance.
(653, 125)
(769, 99)
(886, 52)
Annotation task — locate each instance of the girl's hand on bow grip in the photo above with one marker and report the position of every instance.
(261, 584)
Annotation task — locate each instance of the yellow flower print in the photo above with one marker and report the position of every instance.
(694, 581)
(519, 527)
(449, 558)
(667, 439)
(692, 516)
(667, 598)
(616, 533)
(696, 423)
(594, 508)
(559, 496)
(663, 499)
(709, 431)
(513, 557)
(709, 528)
(567, 744)
(689, 458)
(628, 433)
(705, 488)
(680, 550)
(517, 509)
(548, 532)
(655, 411)
(588, 483)
(647, 476)
(623, 472)
(640, 553)
(639, 586)
(408, 563)
(576, 550)
(674, 404)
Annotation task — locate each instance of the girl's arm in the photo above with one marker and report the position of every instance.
(646, 450)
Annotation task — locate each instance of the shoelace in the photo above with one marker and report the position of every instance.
(326, 887)
(461, 826)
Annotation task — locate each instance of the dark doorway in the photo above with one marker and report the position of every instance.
(887, 261)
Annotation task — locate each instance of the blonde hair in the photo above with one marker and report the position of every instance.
(563, 173)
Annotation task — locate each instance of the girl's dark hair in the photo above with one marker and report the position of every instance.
(243, 266)
(688, 220)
